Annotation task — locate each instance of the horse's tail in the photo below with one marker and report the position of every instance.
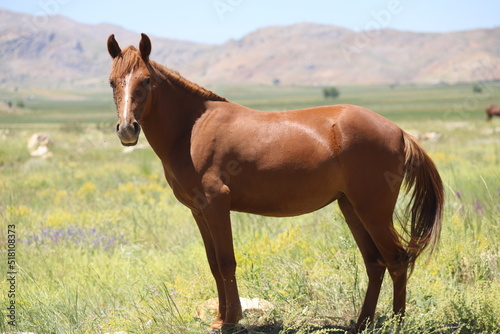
(425, 208)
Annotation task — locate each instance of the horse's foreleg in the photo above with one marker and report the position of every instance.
(214, 267)
(218, 223)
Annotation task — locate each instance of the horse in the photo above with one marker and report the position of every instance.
(219, 156)
(491, 111)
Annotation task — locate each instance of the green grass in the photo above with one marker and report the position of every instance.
(103, 246)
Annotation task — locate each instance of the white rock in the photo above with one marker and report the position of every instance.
(254, 307)
(38, 145)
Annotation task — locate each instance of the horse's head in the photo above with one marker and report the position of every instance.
(131, 81)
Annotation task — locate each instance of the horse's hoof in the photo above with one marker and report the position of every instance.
(238, 329)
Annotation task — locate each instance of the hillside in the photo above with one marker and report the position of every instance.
(54, 52)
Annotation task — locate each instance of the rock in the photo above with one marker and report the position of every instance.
(428, 136)
(252, 308)
(4, 134)
(491, 131)
(38, 145)
(431, 136)
(42, 152)
(256, 307)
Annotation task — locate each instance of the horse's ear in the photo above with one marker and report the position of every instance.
(113, 47)
(145, 47)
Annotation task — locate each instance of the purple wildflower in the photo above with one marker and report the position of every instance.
(77, 236)
(478, 207)
(459, 194)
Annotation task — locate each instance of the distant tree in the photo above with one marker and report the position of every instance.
(20, 103)
(9, 104)
(477, 89)
(276, 82)
(331, 92)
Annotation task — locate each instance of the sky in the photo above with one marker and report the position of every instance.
(216, 21)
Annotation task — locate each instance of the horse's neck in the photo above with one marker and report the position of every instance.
(170, 121)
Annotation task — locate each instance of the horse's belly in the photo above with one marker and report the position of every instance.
(284, 195)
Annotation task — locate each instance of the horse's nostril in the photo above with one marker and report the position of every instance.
(117, 127)
(137, 128)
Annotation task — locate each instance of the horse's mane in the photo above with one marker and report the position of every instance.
(180, 81)
(130, 58)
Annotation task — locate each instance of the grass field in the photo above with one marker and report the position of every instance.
(102, 245)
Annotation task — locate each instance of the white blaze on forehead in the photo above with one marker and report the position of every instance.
(126, 106)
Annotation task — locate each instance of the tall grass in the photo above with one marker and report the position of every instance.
(103, 246)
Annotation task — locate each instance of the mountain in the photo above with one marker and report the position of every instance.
(54, 51)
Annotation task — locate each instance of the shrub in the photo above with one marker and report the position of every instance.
(331, 92)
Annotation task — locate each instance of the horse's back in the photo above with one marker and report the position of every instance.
(291, 162)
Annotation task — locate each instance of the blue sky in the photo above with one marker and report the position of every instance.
(216, 21)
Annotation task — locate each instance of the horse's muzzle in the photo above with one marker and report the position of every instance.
(129, 134)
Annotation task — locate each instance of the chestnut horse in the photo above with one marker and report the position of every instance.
(219, 156)
(491, 111)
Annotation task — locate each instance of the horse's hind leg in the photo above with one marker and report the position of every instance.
(373, 260)
(376, 216)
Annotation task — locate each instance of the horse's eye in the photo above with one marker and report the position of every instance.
(112, 84)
